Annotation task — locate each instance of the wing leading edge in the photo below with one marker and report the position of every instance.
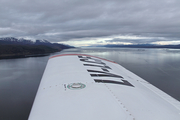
(78, 86)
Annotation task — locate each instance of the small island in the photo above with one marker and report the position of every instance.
(11, 47)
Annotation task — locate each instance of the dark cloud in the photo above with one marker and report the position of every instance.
(66, 20)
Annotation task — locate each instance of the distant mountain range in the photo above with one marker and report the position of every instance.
(11, 47)
(22, 41)
(140, 46)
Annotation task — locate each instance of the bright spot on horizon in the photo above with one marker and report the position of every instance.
(117, 39)
(167, 42)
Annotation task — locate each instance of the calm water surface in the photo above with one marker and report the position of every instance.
(20, 78)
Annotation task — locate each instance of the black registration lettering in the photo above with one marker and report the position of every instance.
(90, 60)
(125, 82)
(104, 73)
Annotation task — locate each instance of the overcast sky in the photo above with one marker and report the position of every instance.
(86, 22)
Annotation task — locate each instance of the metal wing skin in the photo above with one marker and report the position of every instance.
(84, 87)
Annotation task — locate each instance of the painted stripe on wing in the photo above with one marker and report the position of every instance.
(81, 55)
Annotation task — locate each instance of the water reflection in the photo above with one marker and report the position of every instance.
(18, 85)
(19, 78)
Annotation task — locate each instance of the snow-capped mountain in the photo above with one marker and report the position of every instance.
(42, 42)
(11, 47)
(22, 41)
(9, 39)
(12, 40)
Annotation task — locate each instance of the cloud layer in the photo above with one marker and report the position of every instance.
(83, 20)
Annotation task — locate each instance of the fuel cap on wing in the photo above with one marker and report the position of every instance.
(74, 86)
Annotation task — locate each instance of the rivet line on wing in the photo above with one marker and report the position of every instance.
(120, 103)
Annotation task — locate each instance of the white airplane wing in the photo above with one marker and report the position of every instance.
(84, 87)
